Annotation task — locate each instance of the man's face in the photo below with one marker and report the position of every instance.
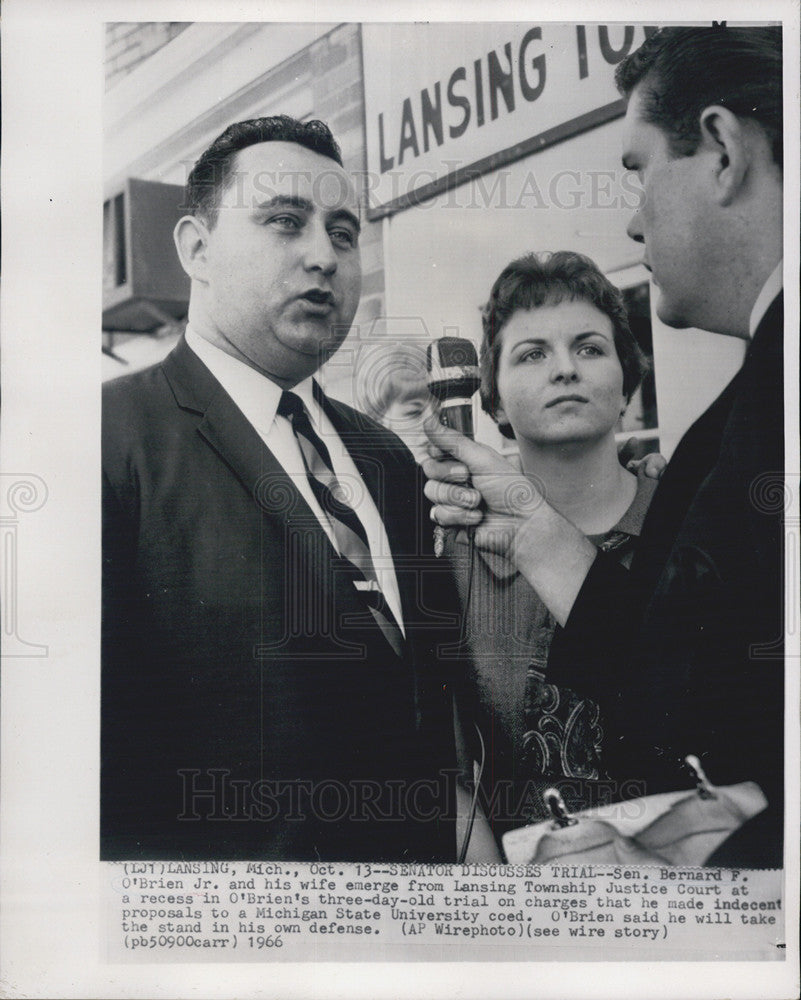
(282, 273)
(673, 220)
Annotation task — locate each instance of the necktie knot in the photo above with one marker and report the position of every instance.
(290, 405)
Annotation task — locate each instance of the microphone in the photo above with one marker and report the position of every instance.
(453, 379)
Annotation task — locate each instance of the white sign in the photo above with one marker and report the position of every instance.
(445, 102)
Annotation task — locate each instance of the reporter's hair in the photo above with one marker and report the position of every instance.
(212, 173)
(535, 280)
(684, 70)
(391, 376)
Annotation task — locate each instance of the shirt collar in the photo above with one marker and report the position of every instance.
(255, 394)
(632, 520)
(770, 290)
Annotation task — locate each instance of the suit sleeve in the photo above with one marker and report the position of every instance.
(589, 652)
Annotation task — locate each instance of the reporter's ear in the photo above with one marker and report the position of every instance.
(729, 142)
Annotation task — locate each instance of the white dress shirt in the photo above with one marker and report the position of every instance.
(770, 290)
(258, 397)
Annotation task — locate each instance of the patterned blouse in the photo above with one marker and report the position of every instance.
(536, 735)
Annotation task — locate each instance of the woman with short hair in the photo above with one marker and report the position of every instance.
(559, 365)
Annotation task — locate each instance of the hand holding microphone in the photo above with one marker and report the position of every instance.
(453, 380)
(470, 484)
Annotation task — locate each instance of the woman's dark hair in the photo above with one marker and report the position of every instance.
(211, 174)
(684, 70)
(547, 279)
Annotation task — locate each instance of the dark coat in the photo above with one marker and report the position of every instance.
(237, 655)
(685, 652)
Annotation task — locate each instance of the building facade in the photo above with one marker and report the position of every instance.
(470, 144)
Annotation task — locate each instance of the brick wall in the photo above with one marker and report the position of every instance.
(129, 43)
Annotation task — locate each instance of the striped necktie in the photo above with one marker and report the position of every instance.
(348, 530)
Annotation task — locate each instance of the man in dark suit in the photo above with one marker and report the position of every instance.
(271, 613)
(684, 652)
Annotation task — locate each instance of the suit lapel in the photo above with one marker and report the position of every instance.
(765, 351)
(700, 448)
(694, 457)
(227, 431)
(233, 438)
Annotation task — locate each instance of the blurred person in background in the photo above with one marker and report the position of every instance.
(394, 392)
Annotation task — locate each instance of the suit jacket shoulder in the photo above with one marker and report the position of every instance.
(686, 650)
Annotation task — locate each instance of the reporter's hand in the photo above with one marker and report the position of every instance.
(471, 485)
(652, 466)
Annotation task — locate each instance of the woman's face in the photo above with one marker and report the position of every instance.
(559, 376)
(406, 418)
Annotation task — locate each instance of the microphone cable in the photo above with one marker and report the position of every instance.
(478, 773)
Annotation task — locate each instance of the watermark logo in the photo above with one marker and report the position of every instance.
(22, 493)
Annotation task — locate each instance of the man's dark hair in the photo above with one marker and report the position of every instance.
(684, 70)
(212, 172)
(536, 280)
